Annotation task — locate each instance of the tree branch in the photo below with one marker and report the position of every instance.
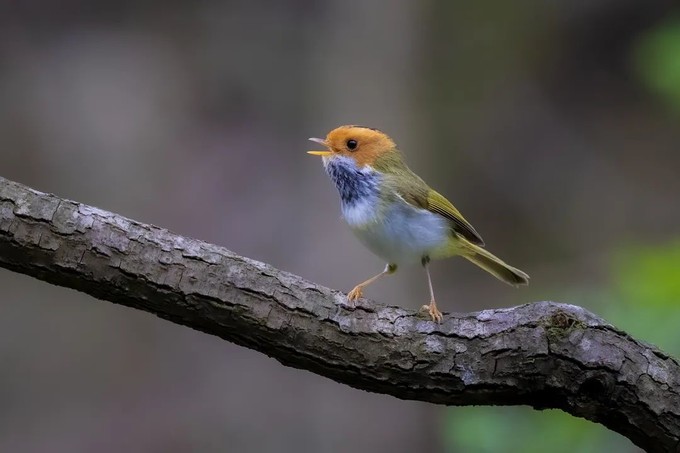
(546, 355)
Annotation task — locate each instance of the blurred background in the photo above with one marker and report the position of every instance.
(552, 125)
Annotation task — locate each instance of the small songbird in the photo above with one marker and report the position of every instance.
(395, 214)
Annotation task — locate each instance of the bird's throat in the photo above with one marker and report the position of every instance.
(355, 185)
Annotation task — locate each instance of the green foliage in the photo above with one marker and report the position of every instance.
(657, 60)
(643, 299)
(516, 429)
(646, 294)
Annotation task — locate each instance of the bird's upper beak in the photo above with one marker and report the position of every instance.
(321, 142)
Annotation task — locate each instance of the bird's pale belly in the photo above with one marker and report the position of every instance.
(402, 235)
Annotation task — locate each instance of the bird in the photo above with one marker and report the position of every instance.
(395, 214)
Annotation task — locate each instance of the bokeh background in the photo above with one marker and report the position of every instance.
(552, 125)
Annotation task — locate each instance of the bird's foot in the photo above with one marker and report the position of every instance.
(354, 295)
(433, 311)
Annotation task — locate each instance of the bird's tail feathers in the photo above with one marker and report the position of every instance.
(494, 265)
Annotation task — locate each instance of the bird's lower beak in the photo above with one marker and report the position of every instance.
(321, 142)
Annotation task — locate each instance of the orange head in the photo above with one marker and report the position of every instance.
(361, 143)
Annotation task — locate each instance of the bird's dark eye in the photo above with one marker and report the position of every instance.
(352, 144)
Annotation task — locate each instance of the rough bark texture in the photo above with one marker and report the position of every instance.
(545, 354)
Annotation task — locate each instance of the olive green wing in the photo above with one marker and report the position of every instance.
(416, 192)
(438, 204)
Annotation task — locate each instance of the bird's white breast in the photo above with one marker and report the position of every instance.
(403, 234)
(361, 212)
(396, 231)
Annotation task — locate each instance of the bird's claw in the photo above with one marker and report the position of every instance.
(354, 295)
(433, 311)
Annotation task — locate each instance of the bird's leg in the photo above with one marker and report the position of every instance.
(432, 309)
(358, 290)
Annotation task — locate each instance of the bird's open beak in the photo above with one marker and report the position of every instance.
(321, 142)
